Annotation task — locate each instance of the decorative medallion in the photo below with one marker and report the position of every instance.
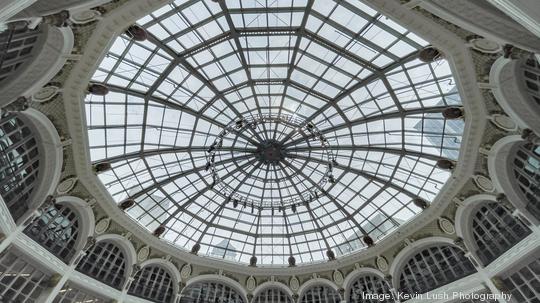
(45, 94)
(186, 271)
(447, 226)
(485, 46)
(503, 122)
(143, 253)
(484, 183)
(338, 277)
(294, 284)
(66, 185)
(85, 16)
(102, 225)
(382, 263)
(251, 283)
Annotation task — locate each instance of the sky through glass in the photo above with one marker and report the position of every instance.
(272, 128)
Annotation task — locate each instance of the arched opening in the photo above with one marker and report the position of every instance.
(210, 292)
(57, 229)
(369, 288)
(495, 230)
(433, 267)
(154, 283)
(106, 262)
(320, 294)
(273, 295)
(20, 161)
(16, 44)
(516, 87)
(526, 170)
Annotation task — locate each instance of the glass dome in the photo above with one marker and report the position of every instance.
(272, 129)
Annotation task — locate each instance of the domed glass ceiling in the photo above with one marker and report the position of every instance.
(272, 128)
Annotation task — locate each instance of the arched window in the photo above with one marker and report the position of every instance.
(16, 45)
(20, 281)
(273, 295)
(531, 70)
(527, 173)
(19, 163)
(105, 262)
(524, 283)
(369, 284)
(153, 283)
(495, 230)
(57, 229)
(320, 294)
(434, 267)
(72, 294)
(210, 292)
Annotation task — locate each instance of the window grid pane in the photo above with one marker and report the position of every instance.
(19, 163)
(105, 262)
(434, 267)
(57, 229)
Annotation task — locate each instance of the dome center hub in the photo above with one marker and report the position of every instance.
(270, 152)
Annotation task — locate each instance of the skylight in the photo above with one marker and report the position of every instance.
(272, 129)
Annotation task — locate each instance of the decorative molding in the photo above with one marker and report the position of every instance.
(185, 273)
(527, 12)
(337, 276)
(143, 253)
(66, 185)
(102, 225)
(512, 96)
(484, 183)
(294, 284)
(251, 283)
(45, 94)
(382, 263)
(447, 226)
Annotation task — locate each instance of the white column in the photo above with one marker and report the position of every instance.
(9, 8)
(525, 12)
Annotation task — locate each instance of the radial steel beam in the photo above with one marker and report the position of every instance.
(394, 151)
(360, 173)
(172, 150)
(364, 120)
(174, 177)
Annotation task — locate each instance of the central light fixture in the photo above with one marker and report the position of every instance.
(274, 139)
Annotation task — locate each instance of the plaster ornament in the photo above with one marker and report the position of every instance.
(102, 225)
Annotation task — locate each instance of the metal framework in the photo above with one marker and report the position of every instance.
(19, 164)
(57, 229)
(526, 167)
(524, 283)
(495, 230)
(366, 285)
(531, 71)
(434, 267)
(105, 261)
(19, 280)
(320, 294)
(16, 45)
(73, 294)
(153, 283)
(210, 292)
(273, 295)
(271, 190)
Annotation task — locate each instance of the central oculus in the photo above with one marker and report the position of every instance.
(271, 152)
